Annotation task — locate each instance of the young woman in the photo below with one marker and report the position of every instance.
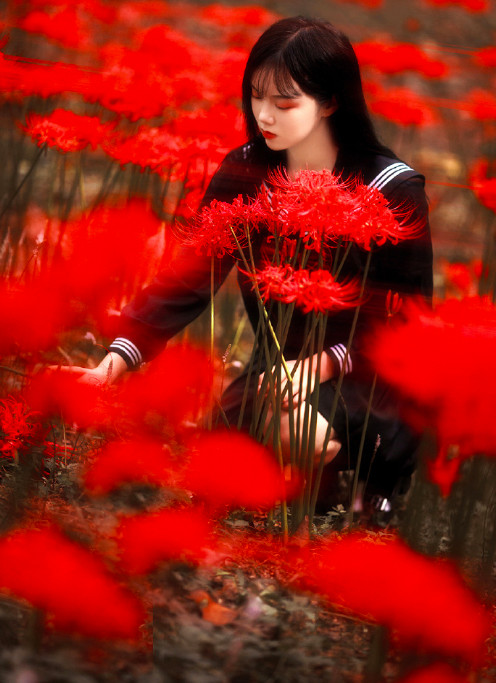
(304, 109)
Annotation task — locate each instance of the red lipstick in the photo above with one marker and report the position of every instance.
(267, 135)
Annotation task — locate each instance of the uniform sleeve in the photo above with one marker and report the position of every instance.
(182, 290)
(404, 268)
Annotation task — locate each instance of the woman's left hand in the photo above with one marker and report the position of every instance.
(301, 376)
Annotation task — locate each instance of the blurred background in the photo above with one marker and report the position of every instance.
(153, 91)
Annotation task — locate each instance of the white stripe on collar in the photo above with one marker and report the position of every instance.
(388, 173)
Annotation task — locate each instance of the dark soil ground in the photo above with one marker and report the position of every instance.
(238, 620)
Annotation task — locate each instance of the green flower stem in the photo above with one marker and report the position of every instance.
(23, 181)
(259, 297)
(249, 374)
(315, 411)
(212, 331)
(360, 451)
(343, 260)
(109, 180)
(334, 406)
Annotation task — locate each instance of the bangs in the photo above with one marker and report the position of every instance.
(278, 72)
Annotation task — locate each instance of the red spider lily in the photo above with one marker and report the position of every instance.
(403, 106)
(394, 58)
(373, 221)
(58, 451)
(231, 469)
(128, 462)
(315, 290)
(147, 540)
(314, 205)
(67, 131)
(423, 601)
(30, 317)
(60, 394)
(69, 583)
(485, 57)
(481, 105)
(177, 385)
(64, 25)
(17, 426)
(436, 673)
(469, 5)
(212, 232)
(318, 207)
(418, 358)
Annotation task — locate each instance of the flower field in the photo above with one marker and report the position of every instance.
(140, 541)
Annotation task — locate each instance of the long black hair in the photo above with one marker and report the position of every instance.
(319, 58)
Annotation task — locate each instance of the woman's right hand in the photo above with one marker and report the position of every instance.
(107, 372)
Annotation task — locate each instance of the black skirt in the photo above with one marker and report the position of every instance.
(390, 445)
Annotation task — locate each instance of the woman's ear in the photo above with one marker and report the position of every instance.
(329, 109)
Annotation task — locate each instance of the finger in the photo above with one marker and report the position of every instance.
(70, 369)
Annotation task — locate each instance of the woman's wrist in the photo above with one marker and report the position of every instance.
(112, 367)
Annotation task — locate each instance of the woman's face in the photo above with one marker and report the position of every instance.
(287, 122)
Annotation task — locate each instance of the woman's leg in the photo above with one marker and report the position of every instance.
(333, 445)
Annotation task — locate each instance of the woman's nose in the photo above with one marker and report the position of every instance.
(266, 115)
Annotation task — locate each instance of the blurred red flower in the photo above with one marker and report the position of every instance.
(484, 188)
(154, 148)
(394, 58)
(231, 469)
(44, 79)
(104, 248)
(436, 673)
(485, 57)
(370, 4)
(419, 357)
(219, 126)
(148, 539)
(69, 583)
(239, 25)
(65, 25)
(423, 601)
(469, 5)
(67, 131)
(481, 104)
(123, 462)
(17, 426)
(177, 386)
(59, 393)
(31, 316)
(461, 278)
(403, 107)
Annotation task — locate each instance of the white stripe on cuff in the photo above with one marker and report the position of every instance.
(340, 352)
(128, 348)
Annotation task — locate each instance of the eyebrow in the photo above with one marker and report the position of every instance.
(280, 97)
